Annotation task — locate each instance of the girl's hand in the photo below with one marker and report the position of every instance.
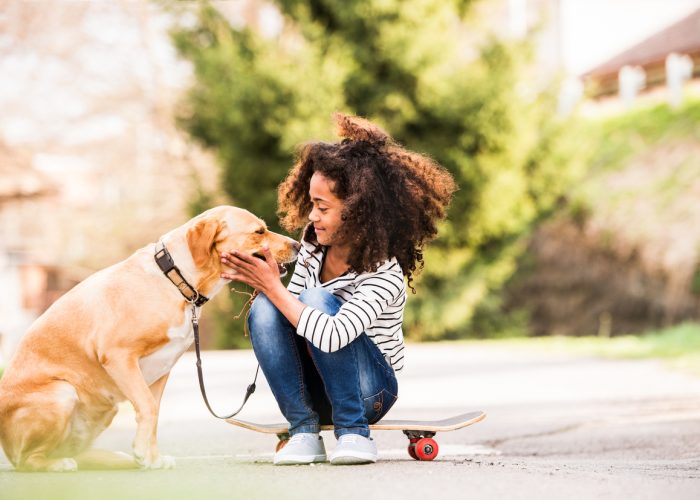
(260, 274)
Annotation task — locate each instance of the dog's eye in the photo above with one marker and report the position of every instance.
(260, 231)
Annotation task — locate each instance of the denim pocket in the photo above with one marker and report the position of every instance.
(378, 405)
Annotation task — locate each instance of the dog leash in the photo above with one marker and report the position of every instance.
(195, 299)
(251, 388)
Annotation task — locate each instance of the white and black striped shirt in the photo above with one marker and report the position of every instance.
(373, 303)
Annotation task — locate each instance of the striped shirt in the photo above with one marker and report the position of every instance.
(373, 303)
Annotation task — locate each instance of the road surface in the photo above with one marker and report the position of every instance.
(558, 426)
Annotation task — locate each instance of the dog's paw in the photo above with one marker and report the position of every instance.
(161, 462)
(167, 461)
(63, 465)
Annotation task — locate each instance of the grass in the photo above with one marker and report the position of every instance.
(679, 346)
(619, 138)
(609, 144)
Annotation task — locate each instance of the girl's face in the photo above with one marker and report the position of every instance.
(327, 209)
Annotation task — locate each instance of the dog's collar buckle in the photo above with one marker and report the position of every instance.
(167, 265)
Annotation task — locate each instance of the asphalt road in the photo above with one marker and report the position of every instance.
(558, 426)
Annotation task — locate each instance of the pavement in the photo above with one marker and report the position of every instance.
(558, 426)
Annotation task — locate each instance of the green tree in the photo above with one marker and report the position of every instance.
(402, 64)
(255, 99)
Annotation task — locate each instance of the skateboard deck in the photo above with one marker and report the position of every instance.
(420, 433)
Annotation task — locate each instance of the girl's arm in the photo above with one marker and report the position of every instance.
(330, 333)
(326, 332)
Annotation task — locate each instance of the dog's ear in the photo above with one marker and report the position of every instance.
(201, 238)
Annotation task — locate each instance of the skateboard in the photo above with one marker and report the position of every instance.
(420, 433)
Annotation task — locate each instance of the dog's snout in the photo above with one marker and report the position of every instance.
(296, 245)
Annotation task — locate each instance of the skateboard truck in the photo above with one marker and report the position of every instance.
(421, 445)
(283, 440)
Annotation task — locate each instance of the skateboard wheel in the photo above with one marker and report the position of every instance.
(412, 448)
(281, 444)
(426, 449)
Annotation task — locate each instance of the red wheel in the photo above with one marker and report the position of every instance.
(412, 448)
(426, 449)
(281, 444)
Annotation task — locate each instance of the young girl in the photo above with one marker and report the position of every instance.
(330, 343)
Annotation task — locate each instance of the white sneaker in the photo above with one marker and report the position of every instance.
(354, 449)
(302, 448)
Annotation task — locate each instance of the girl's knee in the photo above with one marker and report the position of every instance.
(260, 304)
(320, 299)
(262, 311)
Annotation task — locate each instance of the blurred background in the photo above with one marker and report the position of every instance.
(571, 126)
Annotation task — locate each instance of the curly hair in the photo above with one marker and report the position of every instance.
(392, 198)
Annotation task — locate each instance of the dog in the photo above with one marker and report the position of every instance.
(115, 337)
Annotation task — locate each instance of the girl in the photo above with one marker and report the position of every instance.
(330, 343)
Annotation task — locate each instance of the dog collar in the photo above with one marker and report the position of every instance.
(167, 265)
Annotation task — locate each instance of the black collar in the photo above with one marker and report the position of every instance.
(167, 265)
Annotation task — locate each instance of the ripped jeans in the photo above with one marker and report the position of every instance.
(349, 388)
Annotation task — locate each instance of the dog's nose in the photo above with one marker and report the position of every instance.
(296, 245)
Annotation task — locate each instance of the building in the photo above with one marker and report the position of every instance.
(649, 59)
(30, 284)
(92, 165)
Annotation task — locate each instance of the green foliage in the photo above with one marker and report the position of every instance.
(401, 64)
(613, 140)
(253, 101)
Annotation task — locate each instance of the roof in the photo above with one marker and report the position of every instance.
(682, 37)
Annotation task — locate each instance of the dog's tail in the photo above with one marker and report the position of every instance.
(102, 459)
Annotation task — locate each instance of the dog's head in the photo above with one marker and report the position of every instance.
(225, 229)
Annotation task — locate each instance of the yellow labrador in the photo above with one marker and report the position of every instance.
(115, 336)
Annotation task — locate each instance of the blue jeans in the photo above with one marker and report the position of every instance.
(350, 388)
